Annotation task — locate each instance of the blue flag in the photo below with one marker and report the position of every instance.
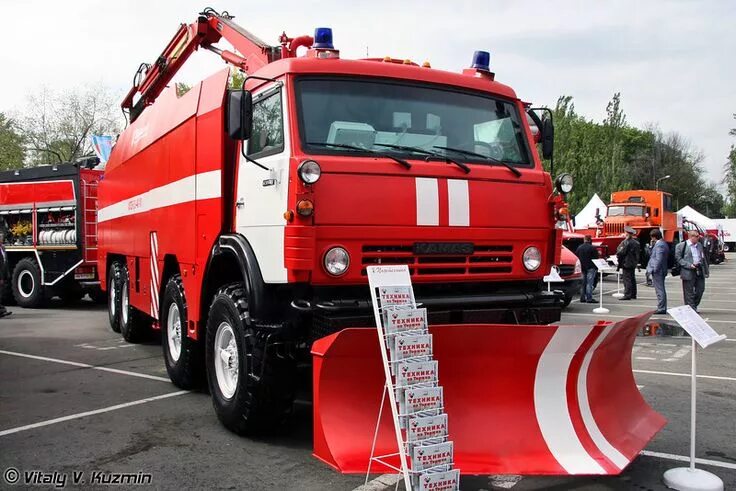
(102, 145)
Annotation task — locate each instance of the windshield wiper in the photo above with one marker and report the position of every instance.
(361, 149)
(425, 152)
(484, 157)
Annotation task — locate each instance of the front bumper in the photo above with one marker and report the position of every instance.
(521, 307)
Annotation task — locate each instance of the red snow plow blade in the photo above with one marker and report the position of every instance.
(520, 399)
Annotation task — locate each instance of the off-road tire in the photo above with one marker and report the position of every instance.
(114, 282)
(262, 402)
(134, 324)
(186, 371)
(28, 271)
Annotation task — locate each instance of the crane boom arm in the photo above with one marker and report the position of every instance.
(209, 28)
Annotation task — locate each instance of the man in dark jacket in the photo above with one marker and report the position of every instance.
(627, 254)
(586, 253)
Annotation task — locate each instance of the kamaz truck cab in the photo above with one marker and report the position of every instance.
(240, 221)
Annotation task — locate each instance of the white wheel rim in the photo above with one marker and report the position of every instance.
(25, 278)
(113, 298)
(226, 360)
(173, 332)
(124, 303)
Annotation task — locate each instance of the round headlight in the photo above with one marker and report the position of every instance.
(309, 171)
(337, 261)
(564, 183)
(532, 258)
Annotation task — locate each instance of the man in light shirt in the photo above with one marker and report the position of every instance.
(690, 255)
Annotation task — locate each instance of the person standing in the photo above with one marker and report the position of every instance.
(3, 274)
(694, 269)
(657, 269)
(586, 253)
(627, 254)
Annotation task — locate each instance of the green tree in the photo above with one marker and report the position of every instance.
(56, 126)
(12, 153)
(729, 179)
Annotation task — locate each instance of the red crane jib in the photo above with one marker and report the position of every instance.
(208, 29)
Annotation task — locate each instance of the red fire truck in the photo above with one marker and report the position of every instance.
(48, 224)
(241, 221)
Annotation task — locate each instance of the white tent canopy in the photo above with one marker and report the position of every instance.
(695, 216)
(586, 217)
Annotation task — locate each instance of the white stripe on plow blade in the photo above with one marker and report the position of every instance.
(613, 454)
(550, 402)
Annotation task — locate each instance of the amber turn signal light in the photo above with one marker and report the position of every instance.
(305, 208)
(288, 215)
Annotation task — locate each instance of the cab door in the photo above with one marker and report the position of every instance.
(261, 194)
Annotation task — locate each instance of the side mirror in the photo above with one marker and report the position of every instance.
(239, 114)
(548, 138)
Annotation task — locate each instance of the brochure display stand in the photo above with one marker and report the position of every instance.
(411, 387)
(603, 267)
(690, 478)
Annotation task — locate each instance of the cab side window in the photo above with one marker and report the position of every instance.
(267, 137)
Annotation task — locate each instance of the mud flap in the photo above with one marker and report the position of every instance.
(520, 399)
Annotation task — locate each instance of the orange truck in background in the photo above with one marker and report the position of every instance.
(642, 210)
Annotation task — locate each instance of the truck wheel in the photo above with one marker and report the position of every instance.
(26, 282)
(113, 295)
(252, 387)
(182, 354)
(134, 325)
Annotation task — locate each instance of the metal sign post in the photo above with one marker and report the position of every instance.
(553, 277)
(690, 478)
(618, 293)
(602, 267)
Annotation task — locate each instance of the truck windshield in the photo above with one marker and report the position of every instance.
(632, 211)
(380, 115)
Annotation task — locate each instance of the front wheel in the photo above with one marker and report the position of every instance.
(182, 354)
(26, 283)
(252, 386)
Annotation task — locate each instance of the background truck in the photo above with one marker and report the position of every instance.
(241, 221)
(48, 225)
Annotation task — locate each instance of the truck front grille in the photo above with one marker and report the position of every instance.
(614, 228)
(485, 260)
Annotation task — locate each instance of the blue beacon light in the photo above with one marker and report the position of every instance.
(323, 38)
(482, 61)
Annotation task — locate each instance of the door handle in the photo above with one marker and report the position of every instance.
(240, 203)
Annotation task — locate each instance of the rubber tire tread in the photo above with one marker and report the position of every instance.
(260, 406)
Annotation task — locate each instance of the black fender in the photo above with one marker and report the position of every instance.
(240, 249)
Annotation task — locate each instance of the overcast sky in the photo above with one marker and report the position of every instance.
(673, 61)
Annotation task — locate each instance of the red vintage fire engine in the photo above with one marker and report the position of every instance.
(48, 224)
(241, 220)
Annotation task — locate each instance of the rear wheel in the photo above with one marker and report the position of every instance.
(134, 325)
(26, 284)
(182, 354)
(252, 386)
(114, 276)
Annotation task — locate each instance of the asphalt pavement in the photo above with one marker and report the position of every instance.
(76, 398)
